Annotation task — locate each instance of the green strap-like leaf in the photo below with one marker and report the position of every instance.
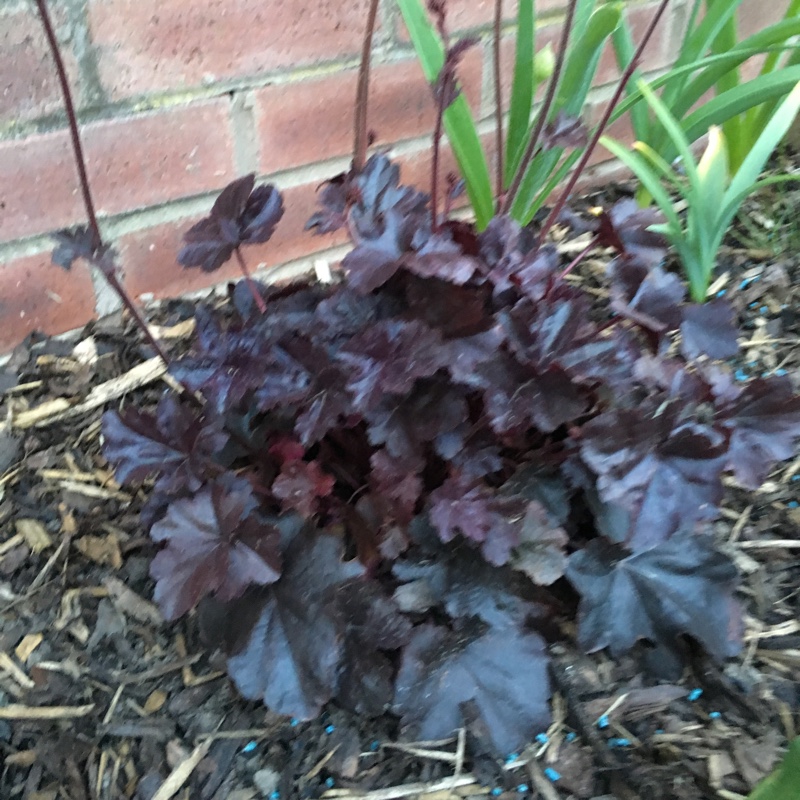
(458, 122)
(758, 90)
(583, 57)
(784, 783)
(724, 42)
(624, 49)
(699, 41)
(764, 146)
(523, 87)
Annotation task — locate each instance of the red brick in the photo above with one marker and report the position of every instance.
(37, 295)
(621, 130)
(149, 46)
(470, 14)
(755, 15)
(657, 52)
(291, 240)
(133, 162)
(149, 262)
(547, 34)
(28, 81)
(312, 120)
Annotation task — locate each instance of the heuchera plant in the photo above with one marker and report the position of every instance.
(382, 491)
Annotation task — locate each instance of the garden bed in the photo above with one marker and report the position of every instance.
(100, 698)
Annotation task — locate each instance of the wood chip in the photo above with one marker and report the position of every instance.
(11, 543)
(22, 758)
(128, 602)
(34, 534)
(172, 785)
(15, 671)
(59, 409)
(155, 701)
(29, 643)
(405, 790)
(103, 550)
(17, 711)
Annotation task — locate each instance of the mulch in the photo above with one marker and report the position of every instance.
(99, 698)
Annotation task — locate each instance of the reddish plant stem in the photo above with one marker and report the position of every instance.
(257, 298)
(498, 92)
(80, 161)
(106, 267)
(577, 260)
(601, 126)
(437, 139)
(110, 274)
(362, 93)
(438, 10)
(544, 112)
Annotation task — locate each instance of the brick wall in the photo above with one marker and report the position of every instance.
(178, 97)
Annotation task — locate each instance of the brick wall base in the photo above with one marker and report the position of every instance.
(178, 97)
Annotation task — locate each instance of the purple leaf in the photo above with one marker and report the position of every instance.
(625, 228)
(399, 481)
(667, 478)
(174, 444)
(709, 329)
(504, 672)
(764, 421)
(291, 657)
(334, 201)
(240, 215)
(467, 507)
(216, 544)
(540, 553)
(655, 303)
(441, 257)
(300, 485)
(462, 583)
(407, 425)
(564, 130)
(388, 358)
(374, 625)
(79, 243)
(683, 586)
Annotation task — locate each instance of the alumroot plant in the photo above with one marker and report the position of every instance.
(382, 491)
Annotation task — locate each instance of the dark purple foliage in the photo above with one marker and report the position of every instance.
(764, 422)
(290, 657)
(626, 228)
(564, 131)
(79, 243)
(217, 542)
(709, 329)
(504, 671)
(372, 481)
(242, 214)
(683, 586)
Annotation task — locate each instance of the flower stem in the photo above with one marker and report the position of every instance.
(257, 298)
(577, 260)
(362, 93)
(601, 126)
(544, 111)
(80, 161)
(101, 258)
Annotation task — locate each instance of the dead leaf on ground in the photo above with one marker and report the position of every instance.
(101, 549)
(127, 601)
(34, 533)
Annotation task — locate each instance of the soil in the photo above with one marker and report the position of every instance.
(99, 698)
